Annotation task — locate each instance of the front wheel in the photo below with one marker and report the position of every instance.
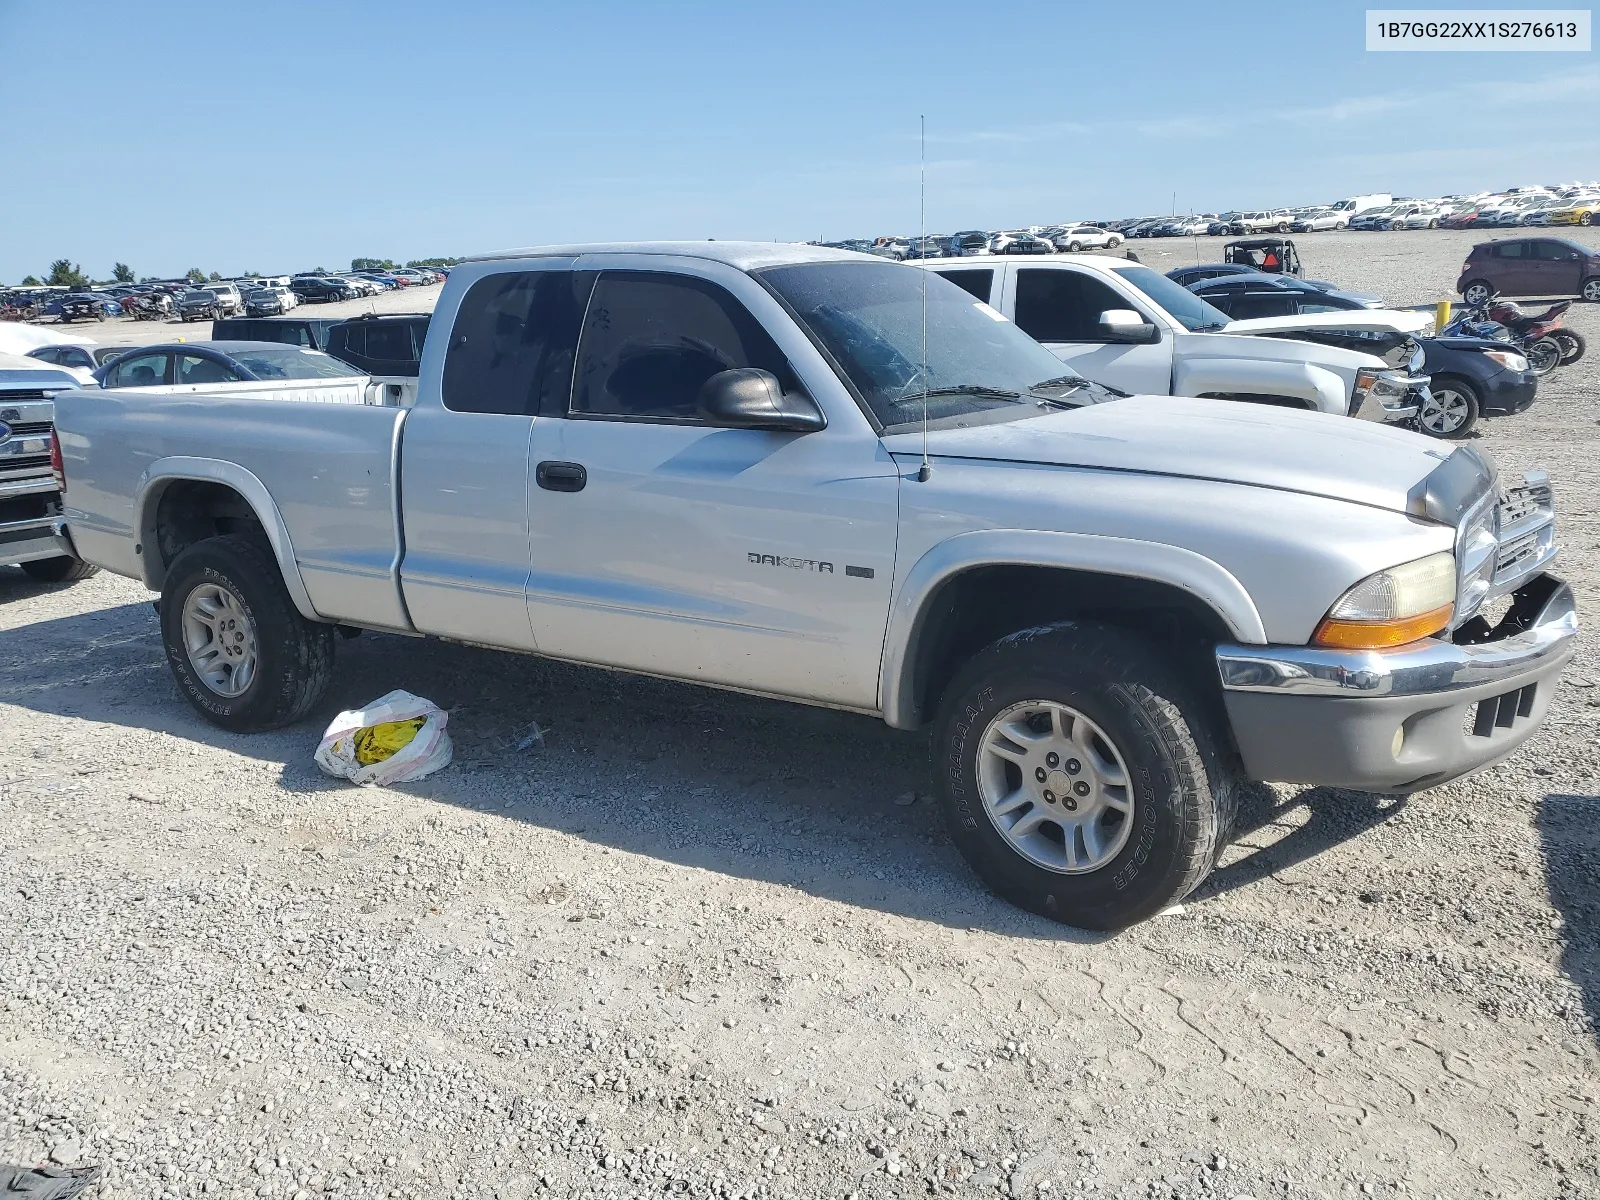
(61, 569)
(1078, 778)
(1451, 409)
(1591, 290)
(238, 648)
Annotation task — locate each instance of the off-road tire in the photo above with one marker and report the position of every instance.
(296, 655)
(1185, 791)
(61, 569)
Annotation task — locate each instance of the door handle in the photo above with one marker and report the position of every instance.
(561, 476)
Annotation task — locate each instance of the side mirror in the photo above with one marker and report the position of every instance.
(750, 398)
(1123, 325)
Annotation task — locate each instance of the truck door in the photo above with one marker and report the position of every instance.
(660, 544)
(464, 452)
(1061, 307)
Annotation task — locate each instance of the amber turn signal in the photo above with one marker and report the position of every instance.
(1381, 635)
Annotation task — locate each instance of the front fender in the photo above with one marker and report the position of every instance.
(1206, 580)
(164, 471)
(1321, 389)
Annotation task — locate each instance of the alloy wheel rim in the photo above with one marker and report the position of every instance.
(220, 640)
(1445, 411)
(1591, 290)
(1055, 787)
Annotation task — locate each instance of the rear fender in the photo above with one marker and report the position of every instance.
(165, 471)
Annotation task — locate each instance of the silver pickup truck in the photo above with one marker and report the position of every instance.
(821, 476)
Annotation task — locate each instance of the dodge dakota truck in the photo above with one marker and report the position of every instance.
(825, 477)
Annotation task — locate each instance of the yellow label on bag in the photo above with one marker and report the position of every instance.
(374, 743)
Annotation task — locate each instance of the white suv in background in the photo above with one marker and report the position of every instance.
(1085, 237)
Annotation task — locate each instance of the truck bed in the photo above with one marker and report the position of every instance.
(329, 467)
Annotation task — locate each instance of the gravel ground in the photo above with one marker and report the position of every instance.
(705, 944)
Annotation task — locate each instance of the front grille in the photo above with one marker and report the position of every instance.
(1501, 712)
(29, 428)
(1524, 501)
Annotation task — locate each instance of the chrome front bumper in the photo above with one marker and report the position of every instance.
(1402, 720)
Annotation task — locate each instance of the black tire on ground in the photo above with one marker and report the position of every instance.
(1283, 227)
(1446, 389)
(1585, 218)
(62, 569)
(295, 656)
(1590, 289)
(1074, 247)
(1477, 292)
(1183, 792)
(1572, 346)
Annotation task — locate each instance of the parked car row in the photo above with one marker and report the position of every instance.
(1568, 204)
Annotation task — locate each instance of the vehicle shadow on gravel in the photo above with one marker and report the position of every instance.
(1334, 815)
(1570, 838)
(759, 789)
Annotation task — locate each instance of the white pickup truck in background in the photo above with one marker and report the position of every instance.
(824, 477)
(1129, 327)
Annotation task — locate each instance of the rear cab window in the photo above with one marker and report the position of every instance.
(514, 342)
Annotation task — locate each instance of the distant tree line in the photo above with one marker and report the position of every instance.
(66, 273)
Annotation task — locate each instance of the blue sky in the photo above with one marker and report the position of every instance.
(283, 136)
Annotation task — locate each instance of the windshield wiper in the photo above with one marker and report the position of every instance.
(962, 389)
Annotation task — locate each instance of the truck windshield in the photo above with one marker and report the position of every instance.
(1182, 305)
(869, 317)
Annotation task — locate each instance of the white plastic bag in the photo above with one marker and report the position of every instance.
(428, 751)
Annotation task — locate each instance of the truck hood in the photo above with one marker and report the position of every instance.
(1396, 320)
(1224, 440)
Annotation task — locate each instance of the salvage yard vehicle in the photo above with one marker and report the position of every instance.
(32, 533)
(1530, 266)
(1126, 326)
(192, 363)
(827, 478)
(199, 304)
(1270, 255)
(1085, 237)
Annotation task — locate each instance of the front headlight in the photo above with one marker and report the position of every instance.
(1393, 607)
(1509, 359)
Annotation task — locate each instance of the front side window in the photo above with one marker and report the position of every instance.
(144, 370)
(1554, 251)
(514, 341)
(195, 368)
(651, 341)
(1063, 306)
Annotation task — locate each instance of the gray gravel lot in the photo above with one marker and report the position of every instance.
(710, 945)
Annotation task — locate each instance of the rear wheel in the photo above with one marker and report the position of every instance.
(1283, 227)
(63, 569)
(1451, 409)
(1074, 247)
(1478, 292)
(1572, 346)
(1078, 778)
(238, 648)
(1544, 356)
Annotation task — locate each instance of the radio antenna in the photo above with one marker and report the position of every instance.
(925, 471)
